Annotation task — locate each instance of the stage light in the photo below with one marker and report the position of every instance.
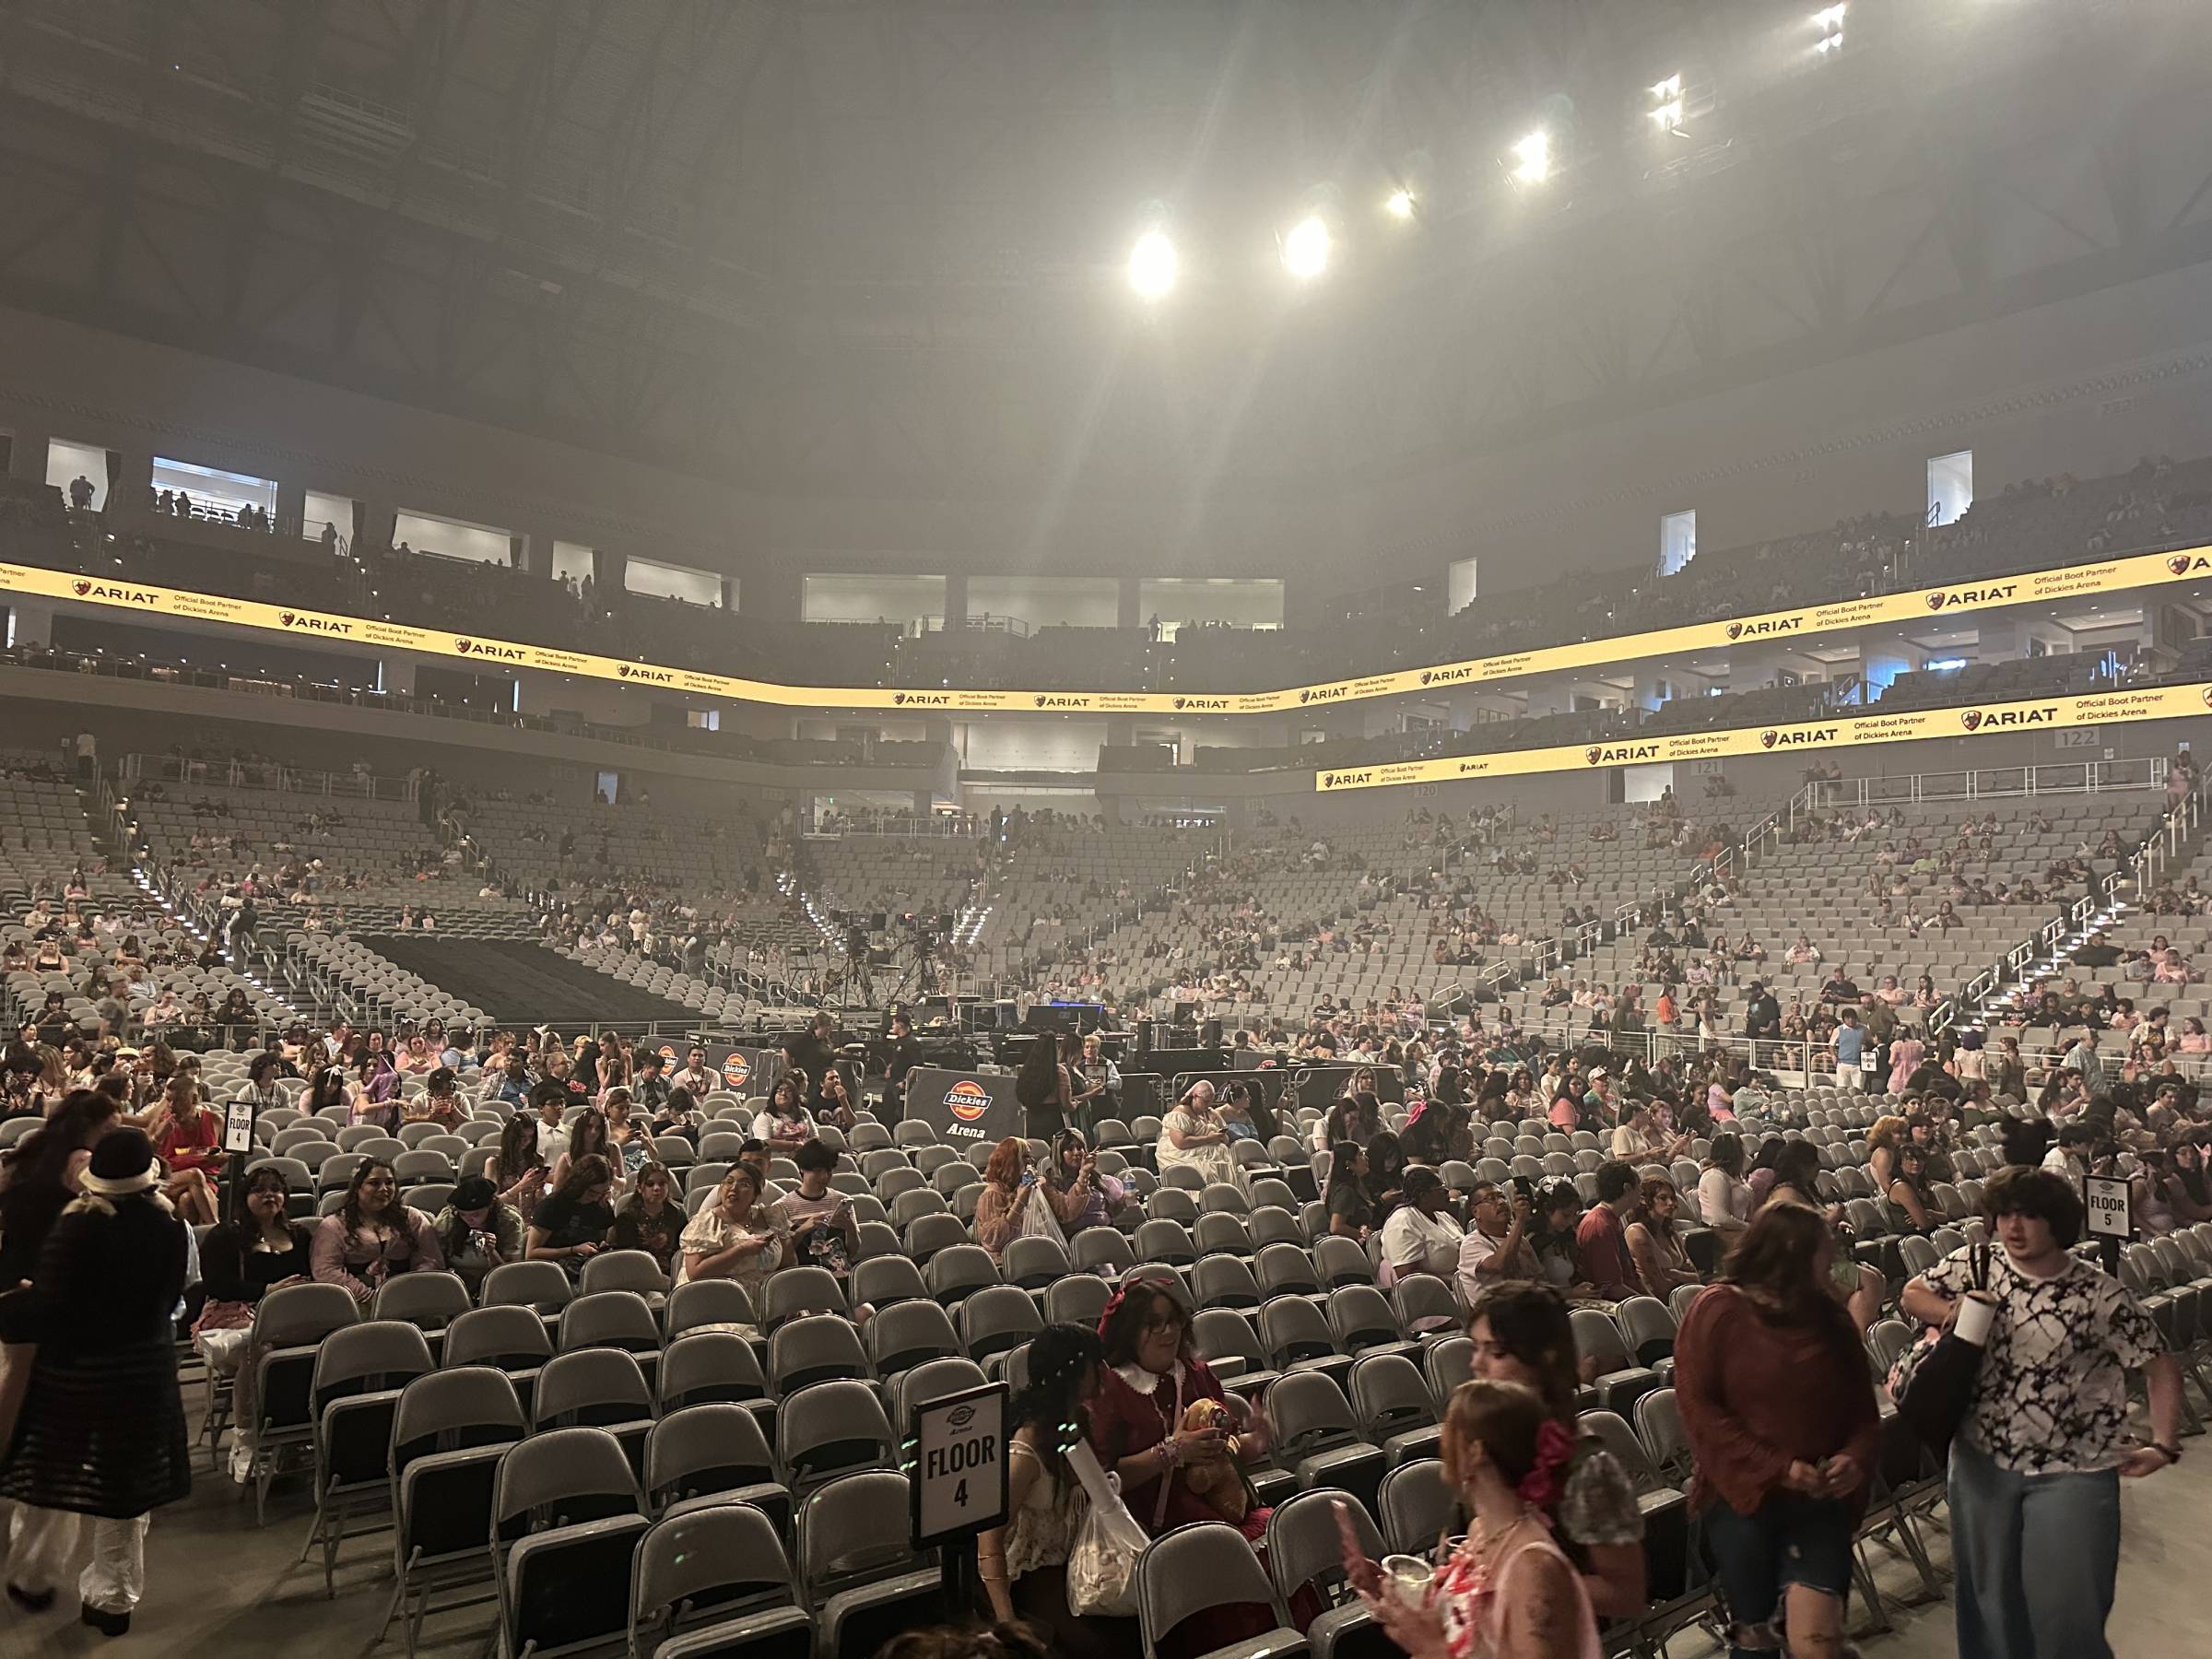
(1829, 20)
(1152, 265)
(1532, 159)
(1399, 205)
(1306, 248)
(1666, 105)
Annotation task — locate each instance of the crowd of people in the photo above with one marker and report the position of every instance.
(1771, 1373)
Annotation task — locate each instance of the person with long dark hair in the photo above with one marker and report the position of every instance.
(518, 1170)
(587, 1138)
(1043, 1088)
(1779, 1406)
(1521, 1334)
(371, 1236)
(40, 1176)
(1023, 1564)
(1352, 1213)
(1140, 1424)
(89, 1411)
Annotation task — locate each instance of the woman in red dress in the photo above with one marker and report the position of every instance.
(1153, 1377)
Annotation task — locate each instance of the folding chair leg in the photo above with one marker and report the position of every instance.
(1877, 1611)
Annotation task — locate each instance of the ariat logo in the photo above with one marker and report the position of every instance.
(1046, 699)
(1447, 676)
(922, 699)
(969, 1100)
(312, 624)
(485, 648)
(1948, 598)
(638, 671)
(1344, 779)
(1766, 629)
(2206, 695)
(112, 591)
(1813, 734)
(2189, 564)
(1614, 754)
(1313, 694)
(1201, 705)
(2005, 720)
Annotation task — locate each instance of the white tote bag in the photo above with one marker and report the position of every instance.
(1102, 1567)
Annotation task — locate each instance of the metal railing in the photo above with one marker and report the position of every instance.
(188, 769)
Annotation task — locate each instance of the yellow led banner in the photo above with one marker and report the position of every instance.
(2074, 582)
(1848, 729)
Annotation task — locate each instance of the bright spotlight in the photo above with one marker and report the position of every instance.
(1829, 20)
(1306, 248)
(1152, 265)
(1532, 159)
(1399, 205)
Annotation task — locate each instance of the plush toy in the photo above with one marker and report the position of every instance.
(1218, 1479)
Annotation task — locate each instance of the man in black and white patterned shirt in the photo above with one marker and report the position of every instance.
(2035, 1468)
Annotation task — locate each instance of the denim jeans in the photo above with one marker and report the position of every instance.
(1789, 1539)
(2036, 1557)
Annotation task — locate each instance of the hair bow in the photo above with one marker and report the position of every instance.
(1542, 1485)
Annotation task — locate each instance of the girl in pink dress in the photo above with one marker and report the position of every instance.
(1508, 1590)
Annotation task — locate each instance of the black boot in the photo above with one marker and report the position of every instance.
(107, 1624)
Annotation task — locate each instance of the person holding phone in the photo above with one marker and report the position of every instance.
(1010, 1187)
(736, 1237)
(1508, 1589)
(824, 1231)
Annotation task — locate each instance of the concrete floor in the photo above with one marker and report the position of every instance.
(218, 1585)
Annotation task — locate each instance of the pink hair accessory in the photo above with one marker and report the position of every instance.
(1542, 1485)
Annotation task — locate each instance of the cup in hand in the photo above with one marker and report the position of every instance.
(1977, 1311)
(1408, 1577)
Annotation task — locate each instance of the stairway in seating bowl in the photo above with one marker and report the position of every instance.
(521, 984)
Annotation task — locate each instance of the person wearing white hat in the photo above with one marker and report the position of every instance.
(89, 1411)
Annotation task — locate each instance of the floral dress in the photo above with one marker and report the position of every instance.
(1467, 1593)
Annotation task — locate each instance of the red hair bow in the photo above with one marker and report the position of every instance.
(1542, 1485)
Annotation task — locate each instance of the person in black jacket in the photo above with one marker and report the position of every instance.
(90, 1414)
(242, 1260)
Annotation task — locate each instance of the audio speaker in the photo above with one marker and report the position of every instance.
(1210, 1033)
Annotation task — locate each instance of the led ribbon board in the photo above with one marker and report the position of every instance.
(2073, 582)
(1847, 729)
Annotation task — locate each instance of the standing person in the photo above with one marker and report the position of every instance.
(90, 1413)
(1508, 1589)
(2037, 1463)
(1600, 1239)
(1042, 1088)
(1522, 1334)
(1023, 1564)
(43, 1175)
(1780, 1411)
(1851, 1051)
(1724, 1197)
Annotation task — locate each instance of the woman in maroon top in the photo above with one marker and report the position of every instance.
(1778, 1403)
(1152, 1378)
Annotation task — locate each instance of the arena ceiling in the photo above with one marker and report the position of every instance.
(876, 246)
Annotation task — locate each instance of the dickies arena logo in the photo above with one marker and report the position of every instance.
(969, 1100)
(735, 1070)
